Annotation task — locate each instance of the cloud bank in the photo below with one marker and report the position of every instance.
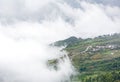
(85, 18)
(28, 26)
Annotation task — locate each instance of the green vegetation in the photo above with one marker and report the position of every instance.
(52, 64)
(68, 41)
(96, 59)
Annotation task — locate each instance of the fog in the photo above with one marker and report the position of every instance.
(25, 52)
(83, 18)
(27, 27)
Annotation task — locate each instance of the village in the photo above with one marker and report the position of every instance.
(101, 47)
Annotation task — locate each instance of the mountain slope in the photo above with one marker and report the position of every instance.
(96, 57)
(69, 41)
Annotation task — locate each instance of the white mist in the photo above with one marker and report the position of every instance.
(27, 27)
(24, 53)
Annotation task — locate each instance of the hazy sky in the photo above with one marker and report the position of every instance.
(84, 19)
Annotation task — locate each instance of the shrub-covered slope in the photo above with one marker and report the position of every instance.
(96, 59)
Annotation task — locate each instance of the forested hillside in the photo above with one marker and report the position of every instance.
(95, 59)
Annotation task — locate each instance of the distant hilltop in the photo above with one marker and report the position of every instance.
(74, 40)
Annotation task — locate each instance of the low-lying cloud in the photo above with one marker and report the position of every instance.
(24, 53)
(28, 26)
(86, 19)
